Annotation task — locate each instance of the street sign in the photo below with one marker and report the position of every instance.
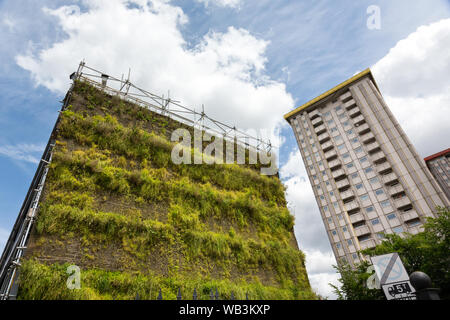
(393, 278)
(389, 268)
(399, 291)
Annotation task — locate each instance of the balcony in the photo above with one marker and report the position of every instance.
(368, 137)
(350, 104)
(362, 231)
(327, 146)
(338, 173)
(313, 114)
(342, 183)
(320, 129)
(396, 189)
(330, 154)
(334, 164)
(346, 96)
(358, 120)
(384, 167)
(390, 178)
(366, 244)
(409, 215)
(378, 157)
(316, 121)
(351, 206)
(373, 147)
(415, 230)
(354, 112)
(402, 202)
(356, 217)
(323, 137)
(348, 194)
(364, 128)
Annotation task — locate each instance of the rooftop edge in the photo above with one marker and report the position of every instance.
(329, 92)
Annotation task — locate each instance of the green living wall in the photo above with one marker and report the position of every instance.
(116, 206)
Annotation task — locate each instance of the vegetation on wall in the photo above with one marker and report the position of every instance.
(115, 205)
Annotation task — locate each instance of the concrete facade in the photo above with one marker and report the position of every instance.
(439, 165)
(367, 177)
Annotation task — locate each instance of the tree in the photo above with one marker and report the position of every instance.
(427, 251)
(354, 283)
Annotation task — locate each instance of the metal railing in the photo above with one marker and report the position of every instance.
(168, 107)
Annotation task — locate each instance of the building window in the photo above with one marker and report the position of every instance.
(335, 204)
(414, 223)
(340, 216)
(359, 186)
(349, 165)
(331, 193)
(344, 229)
(330, 122)
(333, 232)
(363, 159)
(380, 236)
(398, 229)
(355, 256)
(355, 140)
(338, 245)
(346, 155)
(369, 209)
(375, 221)
(373, 180)
(341, 147)
(338, 138)
(350, 242)
(318, 187)
(325, 208)
(358, 150)
(391, 216)
(385, 203)
(367, 170)
(345, 123)
(379, 191)
(354, 175)
(334, 129)
(338, 108)
(322, 197)
(364, 197)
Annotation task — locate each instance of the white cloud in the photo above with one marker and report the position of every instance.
(321, 273)
(23, 152)
(221, 3)
(414, 80)
(224, 71)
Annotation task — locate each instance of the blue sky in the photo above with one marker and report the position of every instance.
(305, 48)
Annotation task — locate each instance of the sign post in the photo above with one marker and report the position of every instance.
(394, 279)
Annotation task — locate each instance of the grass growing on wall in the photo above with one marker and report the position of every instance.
(117, 206)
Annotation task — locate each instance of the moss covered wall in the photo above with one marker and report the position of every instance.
(115, 205)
